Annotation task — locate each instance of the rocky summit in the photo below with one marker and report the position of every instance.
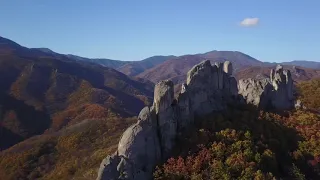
(208, 88)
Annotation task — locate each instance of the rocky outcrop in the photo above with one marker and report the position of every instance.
(209, 86)
(151, 139)
(207, 89)
(275, 92)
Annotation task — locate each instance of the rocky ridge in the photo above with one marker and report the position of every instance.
(208, 88)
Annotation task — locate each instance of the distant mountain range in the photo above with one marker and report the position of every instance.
(177, 68)
(158, 67)
(135, 68)
(51, 90)
(62, 106)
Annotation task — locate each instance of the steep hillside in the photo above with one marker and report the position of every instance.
(41, 93)
(176, 69)
(71, 153)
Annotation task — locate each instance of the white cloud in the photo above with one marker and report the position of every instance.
(249, 22)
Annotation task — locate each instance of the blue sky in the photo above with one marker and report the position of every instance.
(283, 30)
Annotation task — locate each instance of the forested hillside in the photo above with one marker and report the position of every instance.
(310, 93)
(41, 93)
(75, 152)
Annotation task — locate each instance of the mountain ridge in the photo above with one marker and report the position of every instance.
(135, 68)
(52, 92)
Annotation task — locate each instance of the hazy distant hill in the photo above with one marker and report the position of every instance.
(104, 62)
(130, 68)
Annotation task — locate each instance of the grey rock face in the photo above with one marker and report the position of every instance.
(233, 86)
(140, 145)
(166, 110)
(201, 87)
(207, 85)
(163, 95)
(125, 169)
(276, 92)
(184, 103)
(108, 168)
(255, 92)
(220, 74)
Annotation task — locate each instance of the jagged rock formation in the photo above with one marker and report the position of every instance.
(208, 88)
(151, 139)
(276, 92)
